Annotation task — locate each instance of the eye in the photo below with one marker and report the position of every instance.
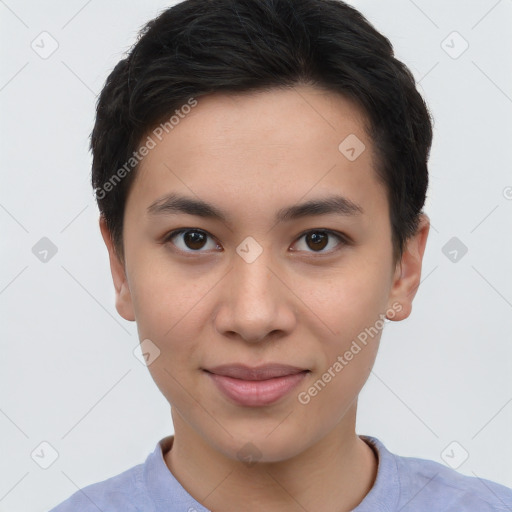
(190, 240)
(193, 240)
(319, 239)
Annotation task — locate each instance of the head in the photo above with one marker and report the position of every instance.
(256, 108)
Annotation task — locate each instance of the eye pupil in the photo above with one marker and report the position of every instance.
(194, 237)
(318, 239)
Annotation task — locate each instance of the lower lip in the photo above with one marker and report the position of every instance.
(256, 393)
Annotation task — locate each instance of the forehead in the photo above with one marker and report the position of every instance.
(271, 146)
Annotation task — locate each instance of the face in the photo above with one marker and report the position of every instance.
(266, 281)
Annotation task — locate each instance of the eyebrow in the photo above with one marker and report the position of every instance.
(173, 204)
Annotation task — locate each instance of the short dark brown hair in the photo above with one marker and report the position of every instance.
(199, 47)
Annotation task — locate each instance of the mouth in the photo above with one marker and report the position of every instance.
(256, 386)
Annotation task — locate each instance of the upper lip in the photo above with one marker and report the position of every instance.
(263, 372)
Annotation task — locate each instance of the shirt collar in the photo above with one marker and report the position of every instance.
(162, 486)
(385, 492)
(165, 490)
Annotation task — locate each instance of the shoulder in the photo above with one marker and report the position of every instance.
(439, 487)
(412, 484)
(120, 492)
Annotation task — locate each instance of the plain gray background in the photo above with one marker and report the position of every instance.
(441, 386)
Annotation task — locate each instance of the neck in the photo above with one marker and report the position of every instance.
(333, 475)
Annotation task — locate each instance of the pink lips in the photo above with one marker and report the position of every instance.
(256, 386)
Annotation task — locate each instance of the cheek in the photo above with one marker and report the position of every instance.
(169, 312)
(351, 305)
(171, 304)
(346, 300)
(165, 296)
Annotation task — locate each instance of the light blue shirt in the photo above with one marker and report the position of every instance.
(405, 484)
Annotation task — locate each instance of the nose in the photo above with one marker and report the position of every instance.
(255, 303)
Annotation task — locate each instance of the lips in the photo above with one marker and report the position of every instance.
(268, 371)
(255, 386)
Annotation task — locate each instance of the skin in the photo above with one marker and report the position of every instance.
(250, 155)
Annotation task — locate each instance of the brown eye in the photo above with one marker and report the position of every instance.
(317, 240)
(190, 240)
(194, 239)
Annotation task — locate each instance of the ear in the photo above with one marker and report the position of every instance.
(124, 304)
(408, 271)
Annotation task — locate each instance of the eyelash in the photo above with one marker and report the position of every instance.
(343, 239)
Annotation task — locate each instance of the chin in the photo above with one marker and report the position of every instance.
(263, 445)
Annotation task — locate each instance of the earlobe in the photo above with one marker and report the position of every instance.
(124, 304)
(408, 272)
